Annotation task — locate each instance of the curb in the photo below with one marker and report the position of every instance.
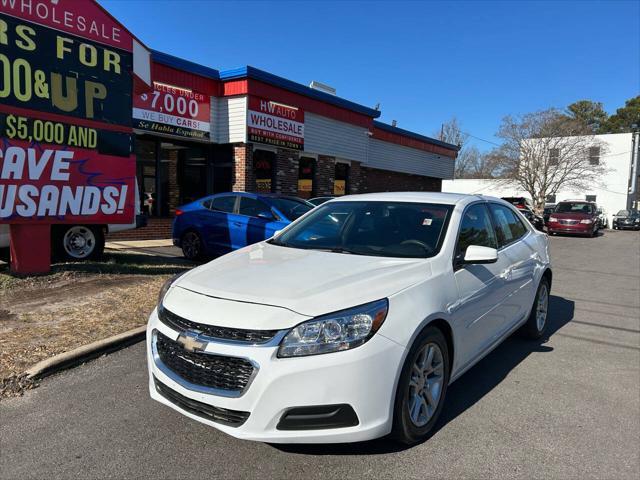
(80, 355)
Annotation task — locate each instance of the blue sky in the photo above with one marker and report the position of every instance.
(424, 62)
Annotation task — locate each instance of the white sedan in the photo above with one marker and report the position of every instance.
(351, 323)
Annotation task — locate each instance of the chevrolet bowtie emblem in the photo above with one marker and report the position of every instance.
(191, 343)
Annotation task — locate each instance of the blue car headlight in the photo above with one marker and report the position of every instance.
(335, 332)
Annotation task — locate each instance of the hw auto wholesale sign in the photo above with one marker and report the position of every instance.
(65, 114)
(275, 124)
(174, 111)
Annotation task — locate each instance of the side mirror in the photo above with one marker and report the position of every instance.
(266, 215)
(478, 254)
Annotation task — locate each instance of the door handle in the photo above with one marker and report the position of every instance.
(237, 224)
(506, 274)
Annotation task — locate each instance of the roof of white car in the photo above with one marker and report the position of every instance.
(417, 197)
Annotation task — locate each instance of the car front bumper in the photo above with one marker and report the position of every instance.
(627, 226)
(575, 229)
(363, 378)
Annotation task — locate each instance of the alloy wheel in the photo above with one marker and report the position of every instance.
(425, 384)
(542, 307)
(191, 245)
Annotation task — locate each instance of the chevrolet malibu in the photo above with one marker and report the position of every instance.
(350, 323)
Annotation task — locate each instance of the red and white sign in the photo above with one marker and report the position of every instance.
(52, 183)
(275, 124)
(174, 111)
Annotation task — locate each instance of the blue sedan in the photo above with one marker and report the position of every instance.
(224, 222)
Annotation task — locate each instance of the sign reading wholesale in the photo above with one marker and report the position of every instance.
(275, 124)
(65, 114)
(174, 111)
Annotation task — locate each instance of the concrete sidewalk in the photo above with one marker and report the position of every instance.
(162, 248)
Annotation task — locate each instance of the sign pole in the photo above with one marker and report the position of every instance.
(30, 248)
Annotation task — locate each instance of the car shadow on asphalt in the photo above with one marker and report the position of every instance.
(464, 392)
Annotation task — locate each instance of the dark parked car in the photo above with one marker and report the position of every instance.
(626, 219)
(548, 210)
(526, 208)
(224, 222)
(574, 216)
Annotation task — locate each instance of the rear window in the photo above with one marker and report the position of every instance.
(291, 208)
(575, 207)
(509, 227)
(223, 204)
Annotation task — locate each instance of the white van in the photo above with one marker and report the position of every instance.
(78, 242)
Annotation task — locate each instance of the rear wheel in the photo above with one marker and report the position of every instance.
(422, 387)
(192, 247)
(537, 322)
(78, 242)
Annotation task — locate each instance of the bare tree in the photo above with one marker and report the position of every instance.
(452, 133)
(545, 151)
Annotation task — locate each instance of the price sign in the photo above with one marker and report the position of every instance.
(173, 111)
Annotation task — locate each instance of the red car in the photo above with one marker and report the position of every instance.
(574, 216)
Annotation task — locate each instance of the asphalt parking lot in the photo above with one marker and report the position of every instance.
(564, 407)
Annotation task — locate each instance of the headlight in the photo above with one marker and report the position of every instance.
(336, 331)
(587, 221)
(553, 219)
(166, 286)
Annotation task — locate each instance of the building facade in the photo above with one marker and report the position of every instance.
(617, 189)
(203, 131)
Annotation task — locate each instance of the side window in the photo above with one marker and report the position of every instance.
(223, 204)
(475, 229)
(252, 207)
(509, 227)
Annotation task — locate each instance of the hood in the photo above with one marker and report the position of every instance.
(307, 282)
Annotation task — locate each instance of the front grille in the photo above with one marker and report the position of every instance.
(231, 374)
(224, 333)
(233, 418)
(568, 222)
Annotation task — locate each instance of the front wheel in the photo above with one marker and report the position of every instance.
(537, 321)
(422, 387)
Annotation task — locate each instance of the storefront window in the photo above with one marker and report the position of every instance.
(263, 166)
(341, 181)
(192, 173)
(306, 170)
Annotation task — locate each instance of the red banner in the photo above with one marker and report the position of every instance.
(46, 183)
(173, 111)
(275, 124)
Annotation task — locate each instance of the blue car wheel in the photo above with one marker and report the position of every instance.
(191, 245)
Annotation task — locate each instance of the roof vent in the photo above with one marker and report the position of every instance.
(322, 87)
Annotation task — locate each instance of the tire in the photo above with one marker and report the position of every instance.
(78, 242)
(410, 428)
(192, 246)
(535, 326)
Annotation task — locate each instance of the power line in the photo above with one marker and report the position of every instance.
(481, 139)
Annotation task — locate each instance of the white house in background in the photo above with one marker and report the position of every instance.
(617, 190)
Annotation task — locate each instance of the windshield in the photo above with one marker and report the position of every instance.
(626, 213)
(574, 207)
(386, 229)
(291, 208)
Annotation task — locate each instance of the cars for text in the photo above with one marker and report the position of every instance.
(577, 217)
(626, 220)
(224, 222)
(351, 323)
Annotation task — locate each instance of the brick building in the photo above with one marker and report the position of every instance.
(204, 131)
